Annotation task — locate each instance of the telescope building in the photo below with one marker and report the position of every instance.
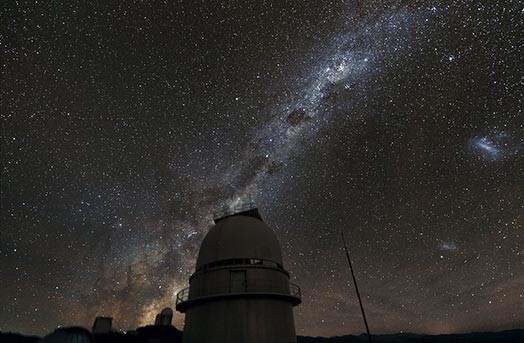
(240, 291)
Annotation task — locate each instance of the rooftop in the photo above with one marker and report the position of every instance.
(248, 210)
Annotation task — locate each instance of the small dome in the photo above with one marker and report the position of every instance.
(165, 317)
(167, 312)
(239, 236)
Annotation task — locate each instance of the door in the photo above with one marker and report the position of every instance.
(237, 281)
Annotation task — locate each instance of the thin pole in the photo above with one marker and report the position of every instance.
(356, 287)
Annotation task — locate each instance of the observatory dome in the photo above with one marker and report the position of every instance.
(167, 312)
(237, 237)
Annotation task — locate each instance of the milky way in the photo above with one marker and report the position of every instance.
(342, 66)
(126, 128)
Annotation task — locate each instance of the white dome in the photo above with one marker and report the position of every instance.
(238, 237)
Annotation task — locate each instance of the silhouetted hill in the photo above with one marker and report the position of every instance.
(510, 336)
(146, 334)
(10, 337)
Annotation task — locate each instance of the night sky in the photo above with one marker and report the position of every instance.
(126, 126)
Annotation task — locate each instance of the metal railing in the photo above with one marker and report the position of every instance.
(182, 296)
(294, 291)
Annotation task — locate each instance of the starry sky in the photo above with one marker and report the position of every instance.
(126, 125)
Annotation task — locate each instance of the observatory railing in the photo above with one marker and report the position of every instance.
(262, 288)
(295, 290)
(182, 296)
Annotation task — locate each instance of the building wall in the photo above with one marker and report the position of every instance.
(240, 320)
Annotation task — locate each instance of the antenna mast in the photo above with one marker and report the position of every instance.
(356, 287)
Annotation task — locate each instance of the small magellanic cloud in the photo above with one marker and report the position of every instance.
(448, 246)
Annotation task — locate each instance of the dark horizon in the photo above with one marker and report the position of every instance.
(514, 335)
(125, 127)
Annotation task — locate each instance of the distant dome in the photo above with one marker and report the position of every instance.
(165, 317)
(239, 237)
(167, 312)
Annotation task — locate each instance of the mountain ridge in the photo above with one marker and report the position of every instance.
(506, 336)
